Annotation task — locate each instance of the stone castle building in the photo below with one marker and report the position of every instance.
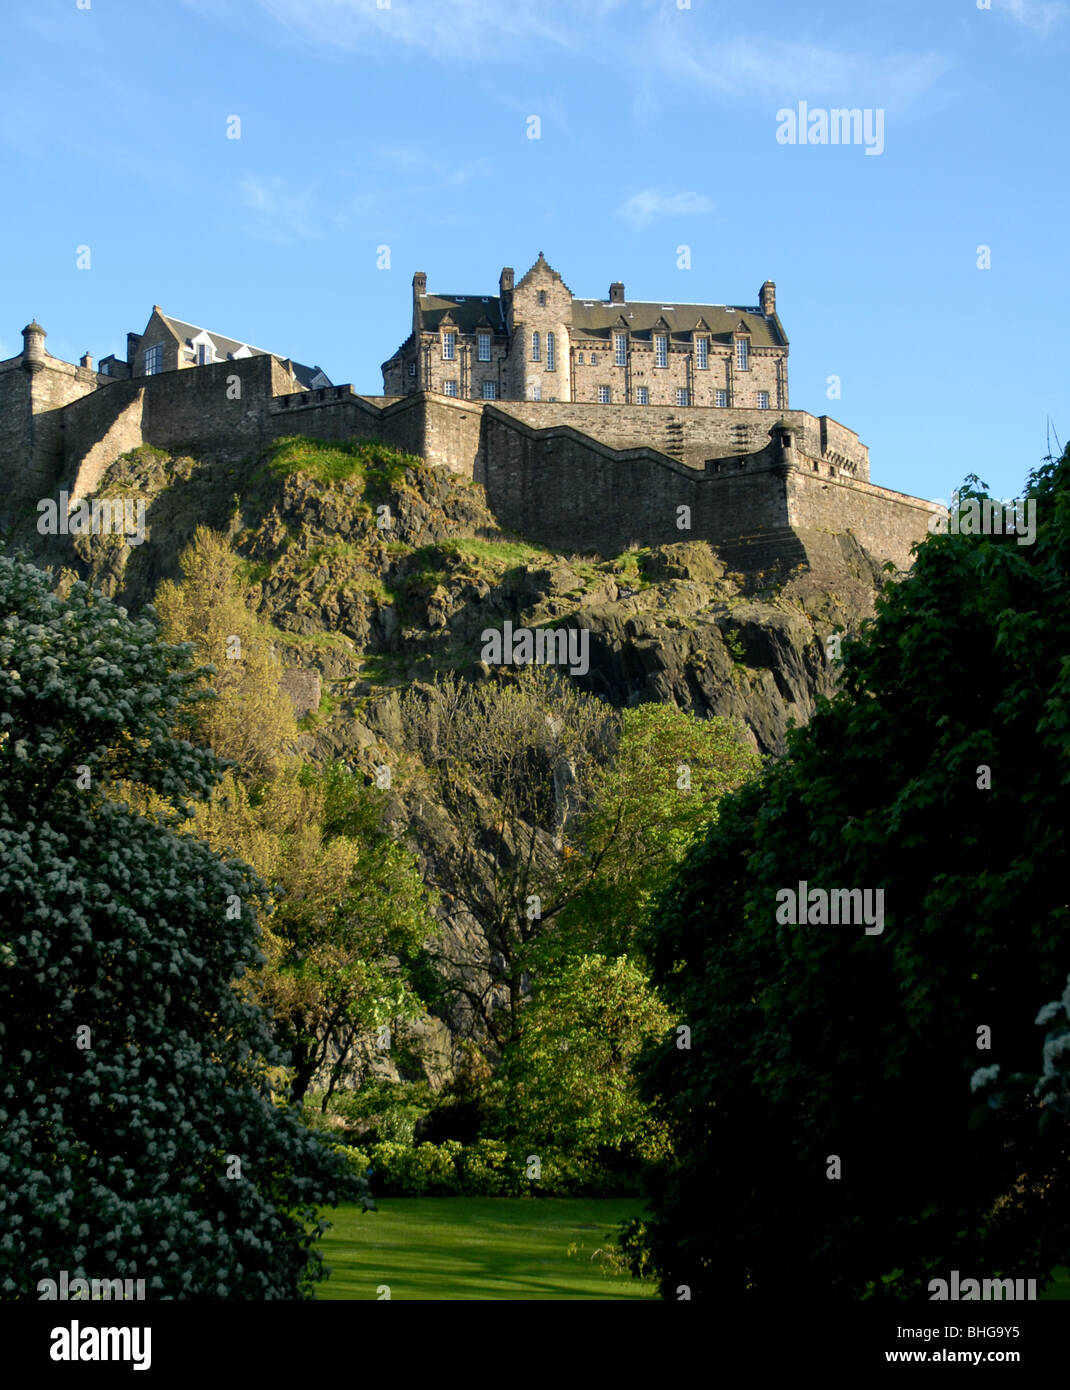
(535, 341)
(592, 425)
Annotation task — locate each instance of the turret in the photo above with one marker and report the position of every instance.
(33, 346)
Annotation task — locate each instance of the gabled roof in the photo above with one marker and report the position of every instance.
(230, 347)
(597, 318)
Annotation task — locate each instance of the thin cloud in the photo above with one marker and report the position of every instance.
(781, 68)
(461, 28)
(651, 205)
(1039, 15)
(287, 210)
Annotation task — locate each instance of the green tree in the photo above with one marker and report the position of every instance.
(350, 913)
(646, 804)
(937, 775)
(567, 1080)
(251, 722)
(138, 1133)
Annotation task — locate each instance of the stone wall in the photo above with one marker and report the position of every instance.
(885, 522)
(692, 435)
(572, 492)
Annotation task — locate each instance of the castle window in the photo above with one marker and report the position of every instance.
(620, 349)
(154, 360)
(594, 360)
(742, 354)
(702, 353)
(536, 390)
(449, 346)
(412, 369)
(603, 395)
(720, 398)
(205, 354)
(661, 350)
(489, 391)
(551, 352)
(536, 351)
(642, 395)
(682, 395)
(579, 358)
(483, 346)
(763, 400)
(451, 388)
(542, 299)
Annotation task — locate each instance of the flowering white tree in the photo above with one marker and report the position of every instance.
(138, 1133)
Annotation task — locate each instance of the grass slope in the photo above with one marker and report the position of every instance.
(462, 1248)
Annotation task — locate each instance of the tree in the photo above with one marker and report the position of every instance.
(508, 764)
(567, 1081)
(251, 722)
(825, 1133)
(350, 912)
(646, 804)
(138, 1133)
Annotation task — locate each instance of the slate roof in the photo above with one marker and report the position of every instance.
(467, 312)
(598, 319)
(227, 347)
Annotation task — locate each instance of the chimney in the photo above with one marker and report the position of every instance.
(133, 342)
(767, 298)
(505, 281)
(419, 287)
(86, 361)
(616, 293)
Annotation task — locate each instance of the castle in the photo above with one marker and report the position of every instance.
(536, 341)
(592, 425)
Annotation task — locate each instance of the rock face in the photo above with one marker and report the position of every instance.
(373, 570)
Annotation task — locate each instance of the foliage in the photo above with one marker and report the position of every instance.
(567, 1079)
(488, 1167)
(646, 805)
(251, 722)
(813, 1041)
(138, 1133)
(349, 911)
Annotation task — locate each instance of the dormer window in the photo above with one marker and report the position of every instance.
(449, 346)
(661, 350)
(536, 352)
(702, 353)
(742, 354)
(205, 354)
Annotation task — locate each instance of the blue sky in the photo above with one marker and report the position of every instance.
(407, 126)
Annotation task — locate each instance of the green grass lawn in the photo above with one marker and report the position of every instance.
(477, 1247)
